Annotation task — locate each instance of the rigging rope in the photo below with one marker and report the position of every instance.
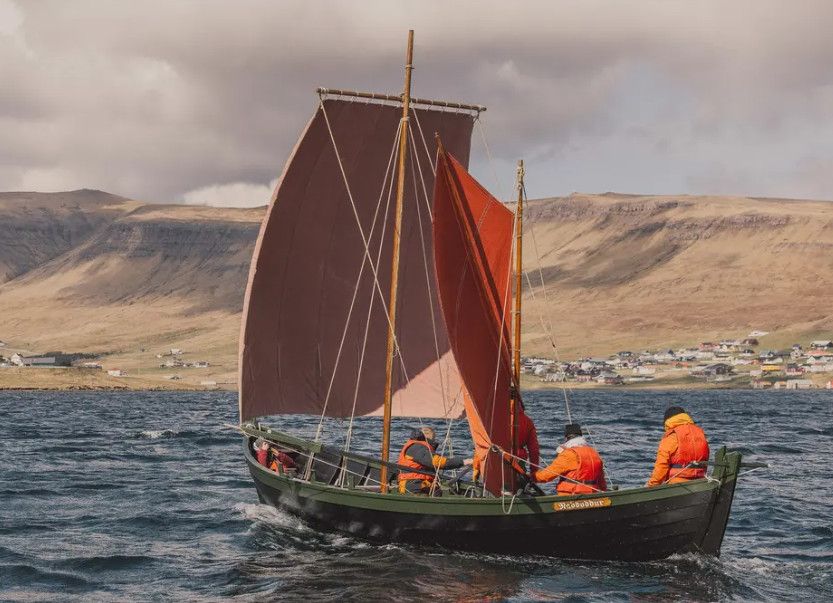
(491, 162)
(446, 448)
(418, 169)
(359, 225)
(367, 259)
(424, 144)
(349, 435)
(546, 326)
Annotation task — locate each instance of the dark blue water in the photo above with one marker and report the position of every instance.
(145, 496)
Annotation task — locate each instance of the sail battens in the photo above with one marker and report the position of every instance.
(304, 274)
(472, 254)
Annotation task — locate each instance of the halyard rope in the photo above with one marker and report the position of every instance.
(349, 435)
(547, 327)
(367, 259)
(418, 169)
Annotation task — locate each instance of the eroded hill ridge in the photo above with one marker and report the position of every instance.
(90, 271)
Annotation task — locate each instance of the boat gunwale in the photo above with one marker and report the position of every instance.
(522, 505)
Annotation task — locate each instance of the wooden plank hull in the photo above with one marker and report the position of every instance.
(628, 525)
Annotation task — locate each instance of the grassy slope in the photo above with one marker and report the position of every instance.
(622, 272)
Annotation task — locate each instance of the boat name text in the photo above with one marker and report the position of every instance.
(579, 505)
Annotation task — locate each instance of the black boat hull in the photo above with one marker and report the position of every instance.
(629, 525)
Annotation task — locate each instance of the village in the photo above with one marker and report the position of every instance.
(92, 364)
(730, 363)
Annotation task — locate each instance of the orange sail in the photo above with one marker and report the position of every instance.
(472, 255)
(308, 265)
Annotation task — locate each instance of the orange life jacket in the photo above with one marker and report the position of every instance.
(281, 460)
(589, 475)
(406, 461)
(692, 446)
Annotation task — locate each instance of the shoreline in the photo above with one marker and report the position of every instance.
(224, 388)
(74, 379)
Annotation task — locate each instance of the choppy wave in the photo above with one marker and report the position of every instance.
(155, 434)
(144, 496)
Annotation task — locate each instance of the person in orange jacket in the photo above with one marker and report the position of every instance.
(684, 443)
(419, 453)
(577, 466)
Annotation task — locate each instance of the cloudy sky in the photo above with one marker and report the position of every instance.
(201, 101)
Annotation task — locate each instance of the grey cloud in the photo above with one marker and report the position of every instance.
(165, 100)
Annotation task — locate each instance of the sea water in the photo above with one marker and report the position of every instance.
(145, 496)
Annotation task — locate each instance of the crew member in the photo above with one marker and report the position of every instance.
(528, 448)
(684, 443)
(419, 452)
(577, 466)
(262, 451)
(280, 461)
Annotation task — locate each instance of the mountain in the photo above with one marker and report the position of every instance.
(628, 271)
(91, 272)
(86, 271)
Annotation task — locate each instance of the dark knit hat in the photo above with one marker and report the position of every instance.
(572, 430)
(673, 411)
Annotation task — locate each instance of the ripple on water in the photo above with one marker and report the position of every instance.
(148, 498)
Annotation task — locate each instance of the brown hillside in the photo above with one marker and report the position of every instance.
(37, 227)
(634, 272)
(88, 271)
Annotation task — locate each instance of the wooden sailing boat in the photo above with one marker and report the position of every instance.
(342, 284)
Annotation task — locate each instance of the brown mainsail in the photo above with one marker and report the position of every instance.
(307, 265)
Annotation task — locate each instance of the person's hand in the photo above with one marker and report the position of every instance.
(468, 462)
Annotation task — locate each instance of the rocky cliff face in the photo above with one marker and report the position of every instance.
(125, 252)
(204, 261)
(38, 227)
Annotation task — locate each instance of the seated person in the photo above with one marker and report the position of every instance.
(261, 450)
(683, 444)
(279, 461)
(419, 452)
(577, 466)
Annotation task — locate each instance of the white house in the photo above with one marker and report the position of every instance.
(116, 373)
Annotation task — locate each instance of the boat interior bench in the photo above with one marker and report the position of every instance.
(329, 464)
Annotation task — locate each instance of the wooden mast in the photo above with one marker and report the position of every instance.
(516, 347)
(394, 269)
(519, 225)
